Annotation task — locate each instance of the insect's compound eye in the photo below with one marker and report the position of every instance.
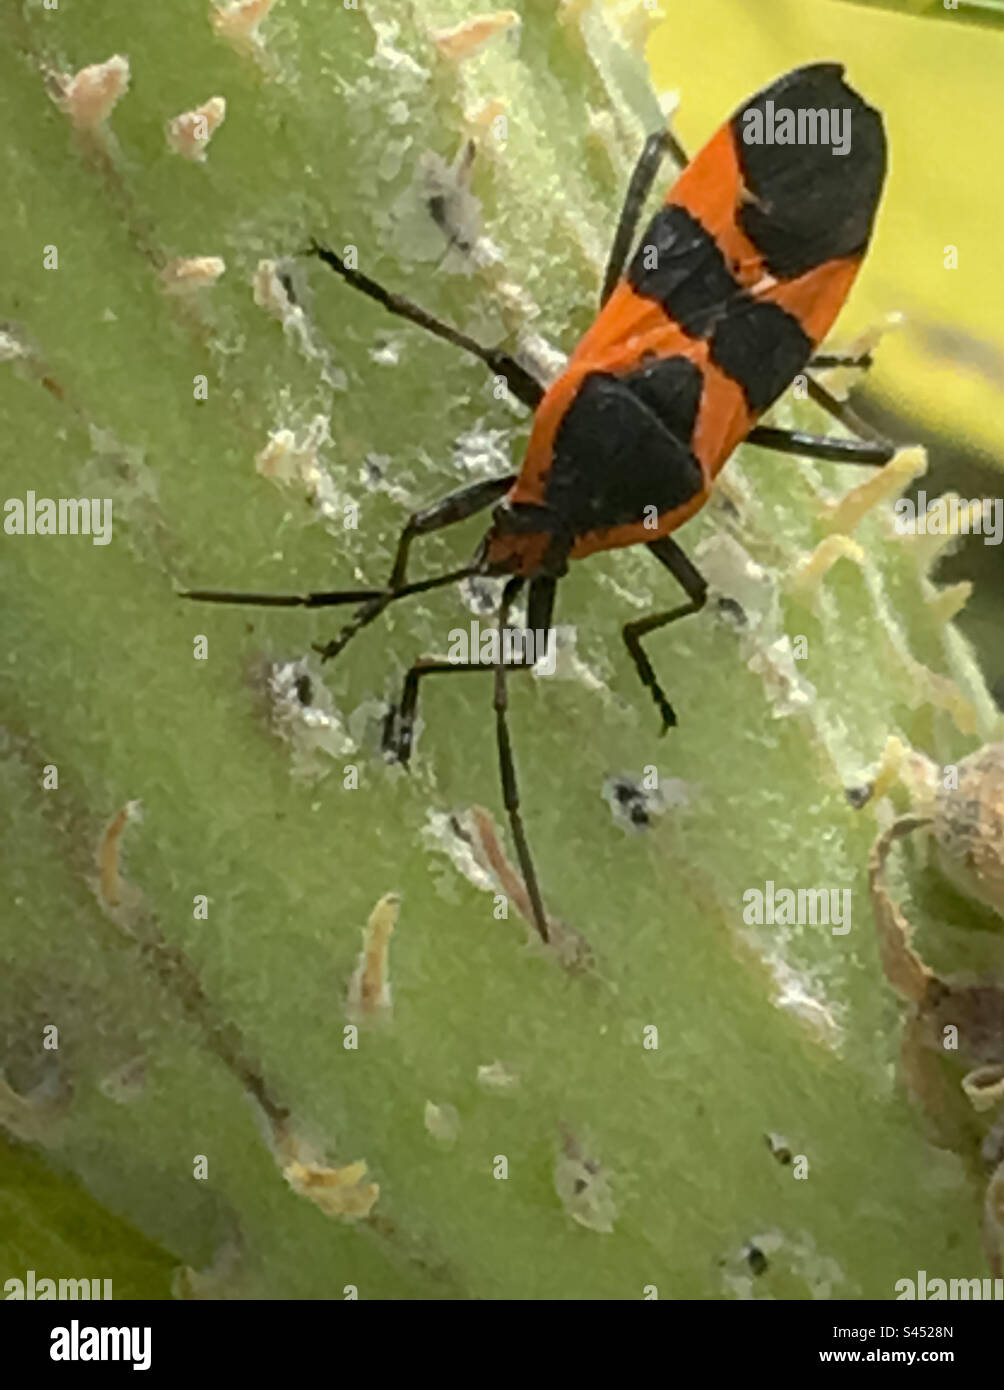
(515, 520)
(504, 518)
(522, 519)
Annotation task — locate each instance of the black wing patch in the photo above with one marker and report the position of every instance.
(679, 265)
(811, 204)
(624, 446)
(762, 347)
(759, 345)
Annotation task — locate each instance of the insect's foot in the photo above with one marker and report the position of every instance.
(859, 796)
(668, 715)
(732, 611)
(397, 736)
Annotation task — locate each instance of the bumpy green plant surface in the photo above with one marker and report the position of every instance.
(788, 1030)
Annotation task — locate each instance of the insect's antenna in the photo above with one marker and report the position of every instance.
(330, 599)
(318, 600)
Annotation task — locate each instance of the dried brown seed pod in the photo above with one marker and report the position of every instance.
(969, 826)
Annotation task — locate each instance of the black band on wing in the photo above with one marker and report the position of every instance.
(679, 265)
(809, 204)
(762, 347)
(801, 205)
(624, 446)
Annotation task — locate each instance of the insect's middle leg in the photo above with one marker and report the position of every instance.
(520, 382)
(841, 411)
(643, 176)
(693, 583)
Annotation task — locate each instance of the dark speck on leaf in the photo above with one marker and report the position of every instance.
(859, 796)
(286, 281)
(732, 610)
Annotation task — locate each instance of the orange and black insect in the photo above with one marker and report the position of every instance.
(733, 285)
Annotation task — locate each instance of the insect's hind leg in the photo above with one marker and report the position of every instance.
(695, 586)
(874, 453)
(841, 411)
(870, 447)
(656, 147)
(399, 729)
(519, 381)
(827, 361)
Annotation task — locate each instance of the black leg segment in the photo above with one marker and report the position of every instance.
(524, 387)
(841, 411)
(541, 604)
(399, 728)
(826, 361)
(639, 187)
(833, 450)
(695, 586)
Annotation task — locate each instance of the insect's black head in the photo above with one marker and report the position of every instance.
(525, 539)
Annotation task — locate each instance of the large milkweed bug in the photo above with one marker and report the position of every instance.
(735, 282)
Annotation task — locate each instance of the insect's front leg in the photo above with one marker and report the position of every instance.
(695, 586)
(455, 507)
